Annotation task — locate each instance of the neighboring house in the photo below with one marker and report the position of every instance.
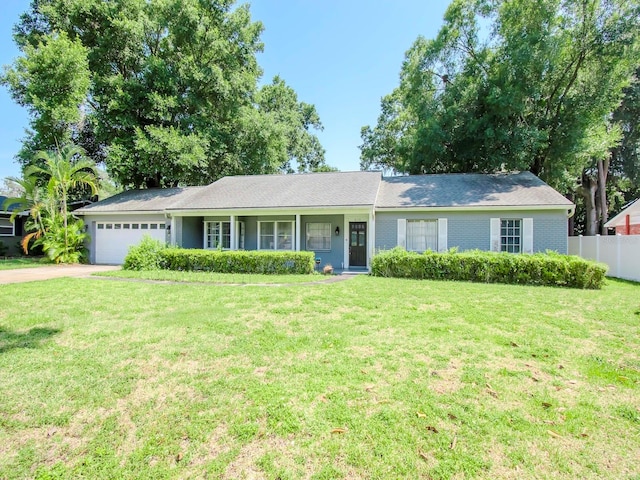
(627, 222)
(343, 217)
(10, 232)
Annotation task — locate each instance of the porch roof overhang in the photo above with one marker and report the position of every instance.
(248, 212)
(120, 212)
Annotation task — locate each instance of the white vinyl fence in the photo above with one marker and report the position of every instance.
(620, 252)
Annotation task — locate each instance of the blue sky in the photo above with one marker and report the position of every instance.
(341, 56)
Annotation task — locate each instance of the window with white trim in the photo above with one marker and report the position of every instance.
(7, 228)
(511, 235)
(240, 235)
(318, 237)
(275, 235)
(217, 235)
(422, 235)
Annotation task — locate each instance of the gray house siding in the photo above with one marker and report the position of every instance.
(251, 227)
(192, 232)
(177, 225)
(551, 232)
(335, 256)
(471, 230)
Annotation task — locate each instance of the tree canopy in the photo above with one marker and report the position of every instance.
(164, 92)
(510, 85)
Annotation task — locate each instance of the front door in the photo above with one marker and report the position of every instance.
(357, 244)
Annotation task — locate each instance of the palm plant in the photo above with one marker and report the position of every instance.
(36, 200)
(66, 169)
(62, 170)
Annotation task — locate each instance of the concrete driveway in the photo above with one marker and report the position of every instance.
(51, 271)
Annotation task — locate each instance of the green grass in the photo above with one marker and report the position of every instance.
(366, 378)
(20, 262)
(210, 277)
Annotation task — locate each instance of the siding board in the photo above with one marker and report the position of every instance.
(471, 230)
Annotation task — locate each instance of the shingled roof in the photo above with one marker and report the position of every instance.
(341, 189)
(468, 190)
(330, 189)
(148, 200)
(632, 209)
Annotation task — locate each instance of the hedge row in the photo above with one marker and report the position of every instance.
(238, 261)
(489, 267)
(151, 254)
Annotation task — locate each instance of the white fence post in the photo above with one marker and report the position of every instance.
(621, 254)
(618, 253)
(580, 245)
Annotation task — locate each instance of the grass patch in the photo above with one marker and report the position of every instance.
(21, 262)
(211, 277)
(368, 378)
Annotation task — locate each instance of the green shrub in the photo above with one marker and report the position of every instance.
(145, 255)
(238, 261)
(64, 245)
(489, 267)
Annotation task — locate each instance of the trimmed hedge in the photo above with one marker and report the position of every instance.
(151, 254)
(145, 255)
(550, 268)
(237, 261)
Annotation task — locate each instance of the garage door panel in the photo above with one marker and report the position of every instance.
(113, 239)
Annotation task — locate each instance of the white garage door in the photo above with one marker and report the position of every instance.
(113, 240)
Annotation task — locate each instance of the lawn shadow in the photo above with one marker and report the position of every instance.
(624, 281)
(10, 340)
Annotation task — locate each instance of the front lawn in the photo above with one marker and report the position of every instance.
(20, 262)
(366, 378)
(213, 277)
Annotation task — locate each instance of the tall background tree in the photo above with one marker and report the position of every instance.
(514, 85)
(163, 92)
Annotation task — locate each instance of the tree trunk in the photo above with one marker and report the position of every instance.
(588, 190)
(571, 222)
(64, 219)
(603, 170)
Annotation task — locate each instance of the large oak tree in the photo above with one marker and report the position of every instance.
(164, 91)
(511, 85)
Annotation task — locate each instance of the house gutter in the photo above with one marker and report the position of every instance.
(120, 212)
(569, 208)
(320, 209)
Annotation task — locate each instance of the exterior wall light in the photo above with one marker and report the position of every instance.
(337, 231)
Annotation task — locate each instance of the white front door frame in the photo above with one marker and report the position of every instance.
(358, 217)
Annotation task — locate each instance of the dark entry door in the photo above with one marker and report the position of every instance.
(358, 244)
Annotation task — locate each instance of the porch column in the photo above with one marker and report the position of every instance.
(172, 236)
(297, 232)
(371, 237)
(233, 244)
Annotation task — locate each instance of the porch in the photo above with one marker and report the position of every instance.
(342, 240)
